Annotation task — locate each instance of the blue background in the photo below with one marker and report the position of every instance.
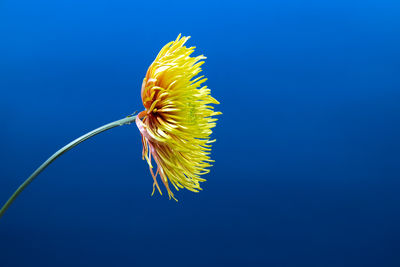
(307, 154)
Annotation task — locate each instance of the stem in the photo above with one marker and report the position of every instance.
(77, 141)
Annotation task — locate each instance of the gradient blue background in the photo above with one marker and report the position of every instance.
(307, 166)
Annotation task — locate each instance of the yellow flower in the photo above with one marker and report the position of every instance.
(177, 120)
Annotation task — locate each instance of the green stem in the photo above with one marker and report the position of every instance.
(77, 141)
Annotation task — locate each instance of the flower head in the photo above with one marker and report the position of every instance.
(177, 120)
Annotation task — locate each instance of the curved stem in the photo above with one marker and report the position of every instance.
(77, 141)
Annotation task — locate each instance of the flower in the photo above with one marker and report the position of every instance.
(176, 123)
